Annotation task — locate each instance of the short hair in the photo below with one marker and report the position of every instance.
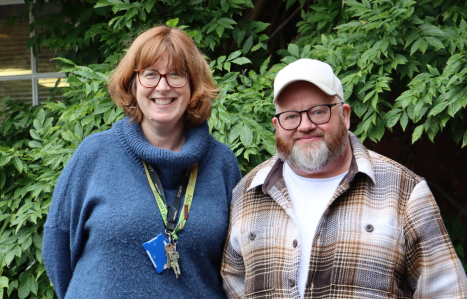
(183, 54)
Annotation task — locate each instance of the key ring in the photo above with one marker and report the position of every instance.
(171, 240)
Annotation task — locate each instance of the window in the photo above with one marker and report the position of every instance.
(23, 76)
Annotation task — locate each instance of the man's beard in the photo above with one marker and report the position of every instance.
(313, 157)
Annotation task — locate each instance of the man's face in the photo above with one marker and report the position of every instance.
(310, 148)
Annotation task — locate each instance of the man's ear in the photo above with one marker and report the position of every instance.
(274, 122)
(346, 112)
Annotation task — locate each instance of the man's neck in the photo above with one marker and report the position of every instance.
(335, 168)
(163, 136)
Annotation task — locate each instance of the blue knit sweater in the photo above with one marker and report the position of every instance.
(103, 210)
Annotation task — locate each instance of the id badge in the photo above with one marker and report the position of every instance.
(155, 249)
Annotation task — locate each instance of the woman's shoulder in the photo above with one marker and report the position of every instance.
(97, 142)
(221, 150)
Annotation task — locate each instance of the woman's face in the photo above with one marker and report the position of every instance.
(163, 105)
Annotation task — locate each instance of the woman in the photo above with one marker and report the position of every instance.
(106, 204)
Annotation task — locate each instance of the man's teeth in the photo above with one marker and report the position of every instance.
(163, 101)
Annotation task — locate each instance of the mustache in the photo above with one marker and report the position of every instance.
(312, 133)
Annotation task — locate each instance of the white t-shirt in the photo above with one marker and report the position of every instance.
(309, 200)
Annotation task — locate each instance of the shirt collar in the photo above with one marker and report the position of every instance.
(271, 171)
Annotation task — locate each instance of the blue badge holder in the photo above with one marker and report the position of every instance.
(155, 249)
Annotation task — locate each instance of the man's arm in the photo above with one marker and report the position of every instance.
(233, 268)
(433, 268)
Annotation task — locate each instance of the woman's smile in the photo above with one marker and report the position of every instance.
(163, 101)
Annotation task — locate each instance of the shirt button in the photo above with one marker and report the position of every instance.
(252, 236)
(291, 283)
(295, 243)
(369, 228)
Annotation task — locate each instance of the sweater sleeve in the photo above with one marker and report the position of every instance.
(433, 268)
(56, 250)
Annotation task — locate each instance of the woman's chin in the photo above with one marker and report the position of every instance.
(164, 119)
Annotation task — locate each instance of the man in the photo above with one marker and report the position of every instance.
(327, 218)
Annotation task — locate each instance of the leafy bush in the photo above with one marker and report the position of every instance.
(401, 62)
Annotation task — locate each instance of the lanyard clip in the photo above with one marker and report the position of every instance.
(173, 238)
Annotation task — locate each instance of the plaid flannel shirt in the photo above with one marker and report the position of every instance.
(381, 236)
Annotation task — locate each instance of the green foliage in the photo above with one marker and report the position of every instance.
(96, 31)
(458, 235)
(400, 61)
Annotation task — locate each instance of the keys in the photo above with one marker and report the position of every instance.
(172, 258)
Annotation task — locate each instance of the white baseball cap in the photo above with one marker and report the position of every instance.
(314, 71)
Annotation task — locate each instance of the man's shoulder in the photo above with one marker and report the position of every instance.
(247, 180)
(383, 165)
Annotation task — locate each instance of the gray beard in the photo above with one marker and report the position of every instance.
(311, 158)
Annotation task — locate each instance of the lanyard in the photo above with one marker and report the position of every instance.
(169, 214)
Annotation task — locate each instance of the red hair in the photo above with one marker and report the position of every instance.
(183, 54)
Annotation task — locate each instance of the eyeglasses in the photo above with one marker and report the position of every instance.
(151, 78)
(318, 115)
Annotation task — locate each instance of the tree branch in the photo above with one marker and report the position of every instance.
(285, 22)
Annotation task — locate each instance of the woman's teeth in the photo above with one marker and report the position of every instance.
(163, 101)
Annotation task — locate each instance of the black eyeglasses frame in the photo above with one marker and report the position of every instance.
(300, 113)
(187, 75)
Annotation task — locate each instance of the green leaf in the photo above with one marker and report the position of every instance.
(149, 5)
(241, 60)
(264, 66)
(33, 285)
(415, 46)
(438, 109)
(18, 164)
(423, 46)
(227, 66)
(172, 23)
(4, 159)
(235, 132)
(464, 140)
(430, 30)
(142, 14)
(234, 55)
(219, 30)
(293, 49)
(226, 21)
(64, 60)
(24, 289)
(379, 129)
(41, 116)
(37, 239)
(4, 282)
(35, 144)
(289, 4)
(131, 13)
(2, 179)
(435, 42)
(417, 133)
(256, 48)
(247, 45)
(246, 136)
(87, 120)
(13, 286)
(434, 71)
(35, 134)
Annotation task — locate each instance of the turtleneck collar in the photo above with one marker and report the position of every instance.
(169, 164)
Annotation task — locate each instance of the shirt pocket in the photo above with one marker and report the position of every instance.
(375, 249)
(259, 252)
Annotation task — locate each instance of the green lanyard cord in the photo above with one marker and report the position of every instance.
(183, 216)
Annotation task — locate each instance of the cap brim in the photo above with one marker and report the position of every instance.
(320, 85)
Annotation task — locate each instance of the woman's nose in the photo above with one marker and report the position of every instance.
(163, 85)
